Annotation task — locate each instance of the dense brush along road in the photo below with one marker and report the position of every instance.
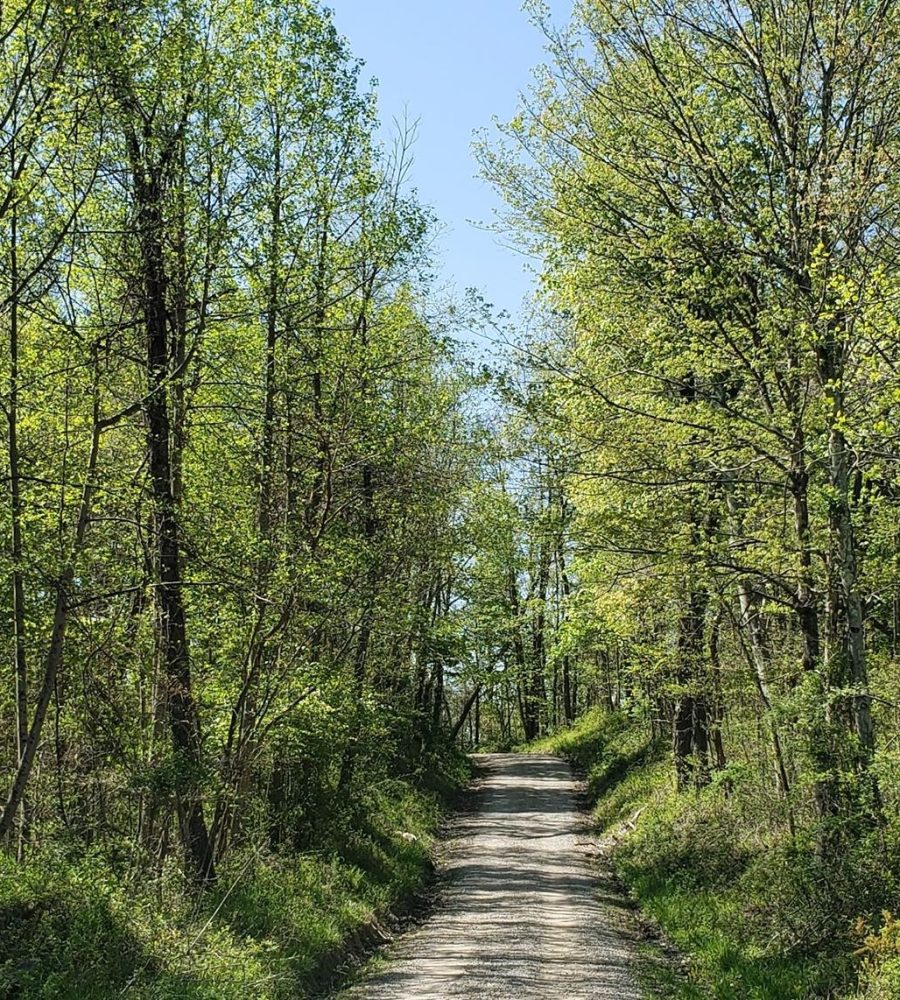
(522, 914)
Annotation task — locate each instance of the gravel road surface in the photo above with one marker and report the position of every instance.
(522, 916)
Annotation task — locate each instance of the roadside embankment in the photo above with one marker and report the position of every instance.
(753, 910)
(80, 926)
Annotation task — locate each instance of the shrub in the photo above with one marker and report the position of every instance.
(880, 954)
(692, 841)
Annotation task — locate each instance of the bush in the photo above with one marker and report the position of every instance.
(798, 900)
(880, 954)
(695, 842)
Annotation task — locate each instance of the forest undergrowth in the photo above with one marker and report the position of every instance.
(75, 926)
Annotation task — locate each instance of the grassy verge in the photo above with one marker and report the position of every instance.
(73, 926)
(753, 911)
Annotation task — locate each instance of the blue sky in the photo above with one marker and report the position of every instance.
(453, 65)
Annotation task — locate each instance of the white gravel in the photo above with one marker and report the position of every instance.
(521, 916)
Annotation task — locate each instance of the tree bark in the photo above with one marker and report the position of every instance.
(171, 619)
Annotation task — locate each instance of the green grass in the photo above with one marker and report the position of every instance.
(715, 872)
(73, 928)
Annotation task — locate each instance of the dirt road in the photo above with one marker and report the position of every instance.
(521, 916)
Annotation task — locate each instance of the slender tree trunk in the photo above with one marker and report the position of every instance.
(15, 487)
(437, 705)
(567, 686)
(846, 673)
(239, 751)
(470, 702)
(537, 691)
(718, 710)
(317, 508)
(690, 725)
(369, 526)
(171, 620)
(758, 654)
(528, 708)
(848, 652)
(54, 656)
(806, 601)
(478, 718)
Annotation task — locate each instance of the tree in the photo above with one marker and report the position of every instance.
(709, 185)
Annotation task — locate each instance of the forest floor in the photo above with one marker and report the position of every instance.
(522, 912)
